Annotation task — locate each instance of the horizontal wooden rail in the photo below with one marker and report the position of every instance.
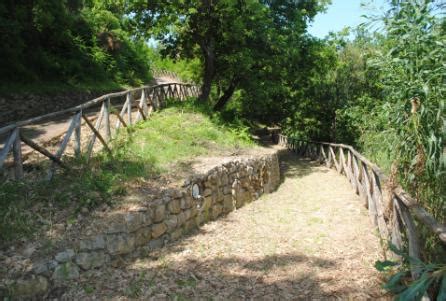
(84, 106)
(391, 209)
(151, 98)
(162, 72)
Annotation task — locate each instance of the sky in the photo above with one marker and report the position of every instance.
(342, 13)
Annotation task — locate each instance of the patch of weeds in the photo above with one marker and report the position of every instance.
(14, 217)
(71, 220)
(163, 262)
(189, 282)
(88, 289)
(26, 206)
(179, 297)
(151, 283)
(47, 246)
(135, 287)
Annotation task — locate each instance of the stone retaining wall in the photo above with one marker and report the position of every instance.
(175, 212)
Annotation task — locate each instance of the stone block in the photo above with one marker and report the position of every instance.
(64, 256)
(156, 243)
(220, 195)
(158, 230)
(207, 192)
(159, 213)
(142, 236)
(116, 224)
(250, 170)
(190, 225)
(92, 243)
(171, 223)
(214, 197)
(181, 218)
(177, 194)
(90, 260)
(216, 211)
(174, 206)
(189, 213)
(176, 234)
(202, 217)
(136, 220)
(228, 204)
(207, 203)
(66, 271)
(227, 190)
(120, 244)
(28, 288)
(186, 202)
(43, 267)
(193, 212)
(224, 179)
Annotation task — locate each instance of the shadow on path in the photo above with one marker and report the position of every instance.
(307, 240)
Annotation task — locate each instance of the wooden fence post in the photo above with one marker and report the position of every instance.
(412, 237)
(107, 119)
(96, 127)
(77, 137)
(63, 145)
(17, 153)
(8, 145)
(129, 108)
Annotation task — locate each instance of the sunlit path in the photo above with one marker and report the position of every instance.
(310, 239)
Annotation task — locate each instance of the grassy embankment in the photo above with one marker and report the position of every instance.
(141, 153)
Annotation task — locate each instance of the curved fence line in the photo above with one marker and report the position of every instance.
(162, 72)
(127, 107)
(390, 209)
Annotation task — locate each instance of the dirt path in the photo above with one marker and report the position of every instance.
(311, 239)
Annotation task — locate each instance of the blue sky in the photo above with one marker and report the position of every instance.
(342, 13)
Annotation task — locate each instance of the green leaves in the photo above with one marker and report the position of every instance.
(442, 295)
(78, 42)
(385, 265)
(417, 289)
(394, 284)
(401, 283)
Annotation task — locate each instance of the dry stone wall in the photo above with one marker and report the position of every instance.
(202, 197)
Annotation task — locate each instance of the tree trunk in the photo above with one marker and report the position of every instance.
(209, 71)
(224, 99)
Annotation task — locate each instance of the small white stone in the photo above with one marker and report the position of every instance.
(195, 191)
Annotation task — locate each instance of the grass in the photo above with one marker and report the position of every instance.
(162, 144)
(177, 134)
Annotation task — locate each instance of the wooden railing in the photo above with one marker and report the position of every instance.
(162, 72)
(95, 116)
(391, 209)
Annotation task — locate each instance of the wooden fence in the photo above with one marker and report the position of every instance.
(167, 73)
(95, 116)
(391, 209)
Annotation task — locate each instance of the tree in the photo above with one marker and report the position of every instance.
(236, 40)
(69, 41)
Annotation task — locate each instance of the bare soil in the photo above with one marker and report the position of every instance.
(309, 240)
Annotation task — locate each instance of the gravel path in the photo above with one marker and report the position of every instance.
(311, 239)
